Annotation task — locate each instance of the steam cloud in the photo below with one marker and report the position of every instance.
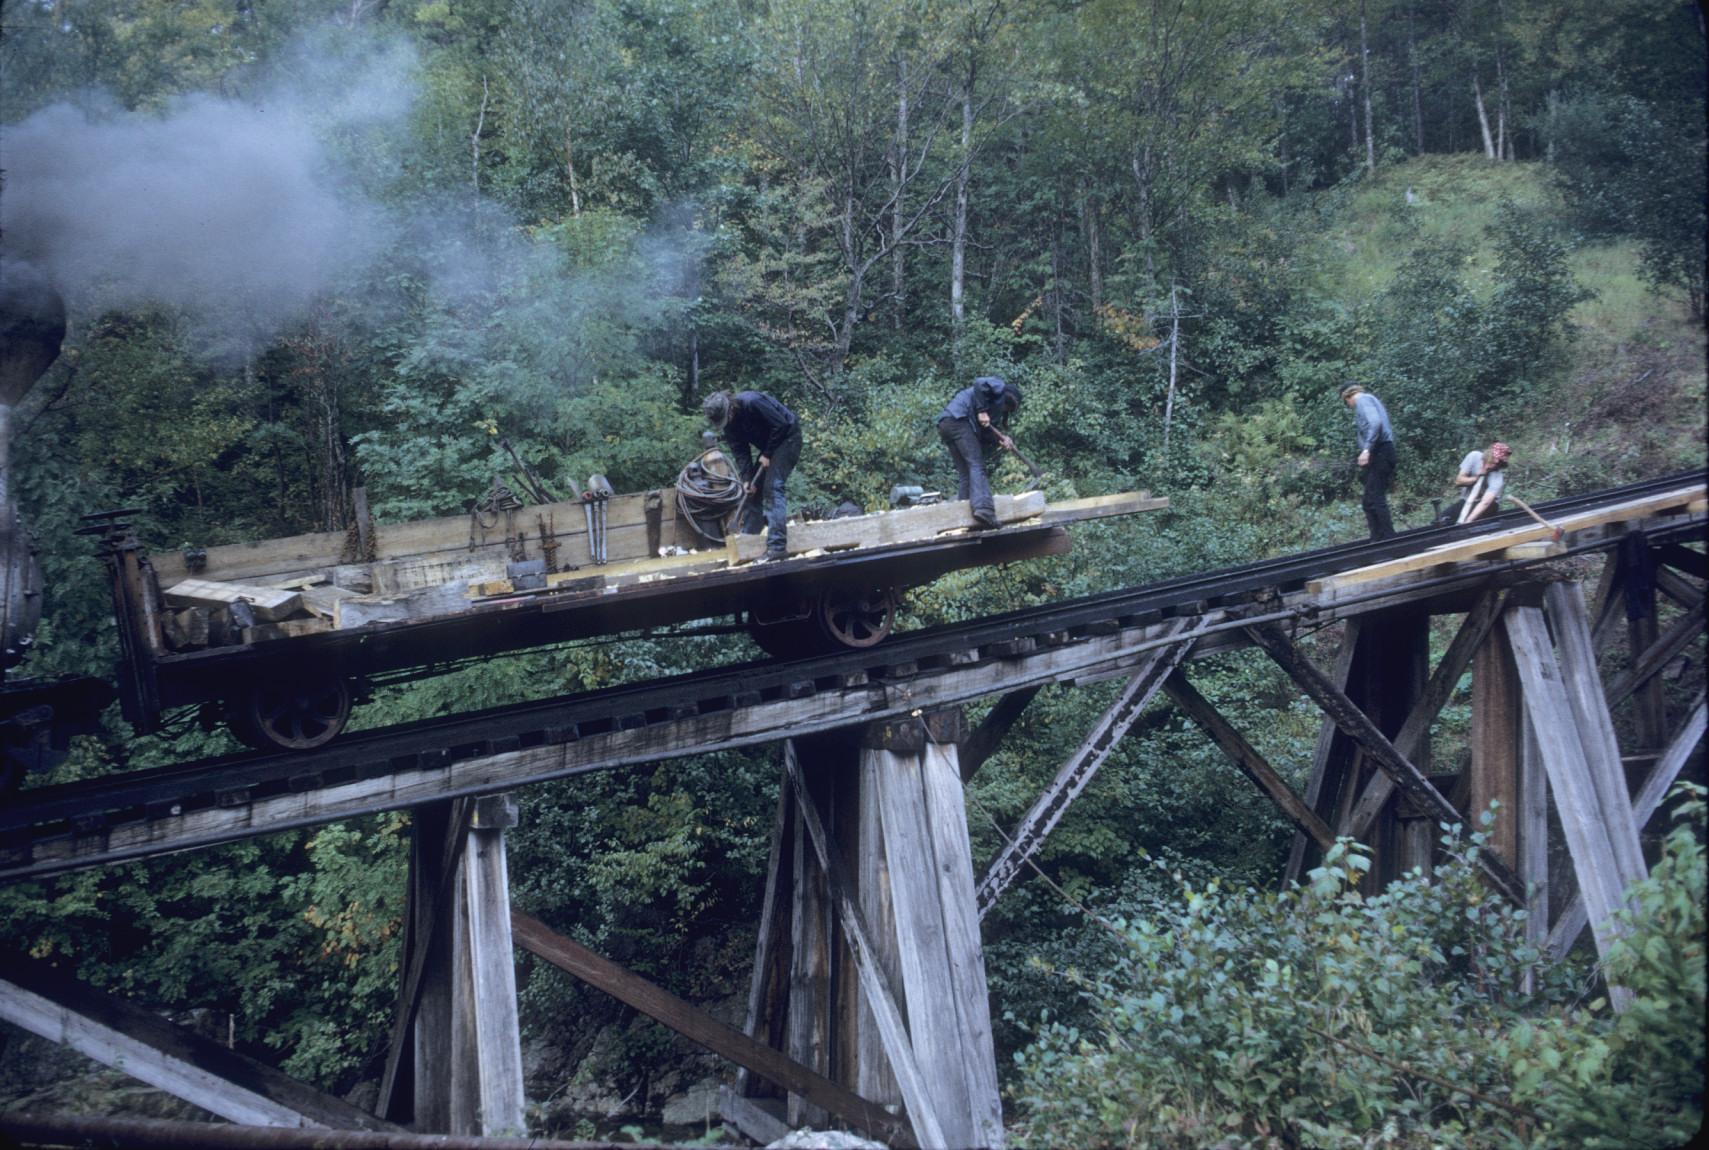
(236, 213)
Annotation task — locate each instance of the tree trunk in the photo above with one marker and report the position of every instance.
(1365, 83)
(1483, 118)
(898, 181)
(1174, 351)
(570, 171)
(1417, 85)
(958, 238)
(1056, 292)
(1094, 258)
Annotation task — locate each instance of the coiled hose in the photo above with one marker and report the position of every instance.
(707, 490)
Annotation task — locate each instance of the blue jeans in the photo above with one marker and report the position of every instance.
(967, 451)
(769, 505)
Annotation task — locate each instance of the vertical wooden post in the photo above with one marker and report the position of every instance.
(431, 826)
(1497, 721)
(1392, 669)
(492, 967)
(1638, 580)
(807, 1028)
(1533, 860)
(1329, 761)
(874, 1079)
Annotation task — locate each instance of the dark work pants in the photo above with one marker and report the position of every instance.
(1379, 473)
(967, 452)
(768, 504)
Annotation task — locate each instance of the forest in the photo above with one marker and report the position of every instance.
(308, 246)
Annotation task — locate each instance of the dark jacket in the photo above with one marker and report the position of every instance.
(758, 422)
(987, 394)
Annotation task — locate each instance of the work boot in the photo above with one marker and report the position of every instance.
(985, 520)
(775, 555)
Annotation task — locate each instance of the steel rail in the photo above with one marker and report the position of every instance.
(233, 780)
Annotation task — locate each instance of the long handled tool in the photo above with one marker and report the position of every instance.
(1526, 507)
(748, 489)
(1038, 476)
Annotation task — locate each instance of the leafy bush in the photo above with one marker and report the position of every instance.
(1321, 1017)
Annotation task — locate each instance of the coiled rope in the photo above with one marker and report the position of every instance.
(707, 490)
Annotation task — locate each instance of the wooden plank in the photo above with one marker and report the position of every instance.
(1566, 610)
(1533, 862)
(1683, 558)
(426, 1075)
(1678, 588)
(1103, 506)
(886, 528)
(988, 736)
(927, 990)
(769, 986)
(699, 1027)
(873, 1076)
(425, 926)
(1245, 756)
(1649, 798)
(1485, 545)
(1382, 753)
(1082, 766)
(1498, 727)
(125, 1036)
(807, 1021)
(268, 603)
(756, 1123)
(1316, 789)
(946, 816)
(921, 1105)
(1467, 641)
(430, 603)
(1551, 715)
(1682, 634)
(498, 1033)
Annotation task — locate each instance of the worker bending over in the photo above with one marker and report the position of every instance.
(754, 421)
(1481, 471)
(976, 420)
(1376, 456)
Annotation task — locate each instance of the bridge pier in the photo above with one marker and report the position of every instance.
(869, 968)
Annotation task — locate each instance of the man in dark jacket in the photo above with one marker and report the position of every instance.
(754, 421)
(1376, 456)
(975, 420)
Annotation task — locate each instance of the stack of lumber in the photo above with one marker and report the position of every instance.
(275, 589)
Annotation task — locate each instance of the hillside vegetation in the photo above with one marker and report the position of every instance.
(318, 245)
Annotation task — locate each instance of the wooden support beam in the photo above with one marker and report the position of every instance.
(1576, 799)
(988, 736)
(492, 961)
(922, 1107)
(1497, 738)
(1533, 863)
(1662, 651)
(1649, 798)
(120, 1034)
(1083, 765)
(927, 987)
(873, 1077)
(886, 528)
(1467, 641)
(807, 1022)
(946, 815)
(424, 927)
(696, 1025)
(1678, 588)
(1320, 789)
(1683, 558)
(1240, 752)
(1381, 752)
(1566, 610)
(768, 990)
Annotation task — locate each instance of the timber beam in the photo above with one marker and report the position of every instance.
(1362, 730)
(126, 1037)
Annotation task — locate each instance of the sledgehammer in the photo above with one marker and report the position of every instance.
(1526, 507)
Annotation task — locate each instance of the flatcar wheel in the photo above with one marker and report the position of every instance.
(853, 618)
(292, 716)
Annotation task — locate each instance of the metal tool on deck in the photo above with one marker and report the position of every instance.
(594, 502)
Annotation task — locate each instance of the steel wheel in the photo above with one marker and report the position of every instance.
(292, 716)
(857, 618)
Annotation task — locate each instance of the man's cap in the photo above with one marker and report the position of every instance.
(1351, 387)
(717, 409)
(1013, 395)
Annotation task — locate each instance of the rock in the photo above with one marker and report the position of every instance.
(696, 1106)
(808, 1138)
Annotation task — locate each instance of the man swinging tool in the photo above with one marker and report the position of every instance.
(749, 421)
(1483, 474)
(975, 419)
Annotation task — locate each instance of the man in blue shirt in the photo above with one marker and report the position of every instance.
(754, 421)
(975, 420)
(1376, 456)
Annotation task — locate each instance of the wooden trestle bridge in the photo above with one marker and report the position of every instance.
(868, 1005)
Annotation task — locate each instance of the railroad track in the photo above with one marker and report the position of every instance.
(87, 807)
